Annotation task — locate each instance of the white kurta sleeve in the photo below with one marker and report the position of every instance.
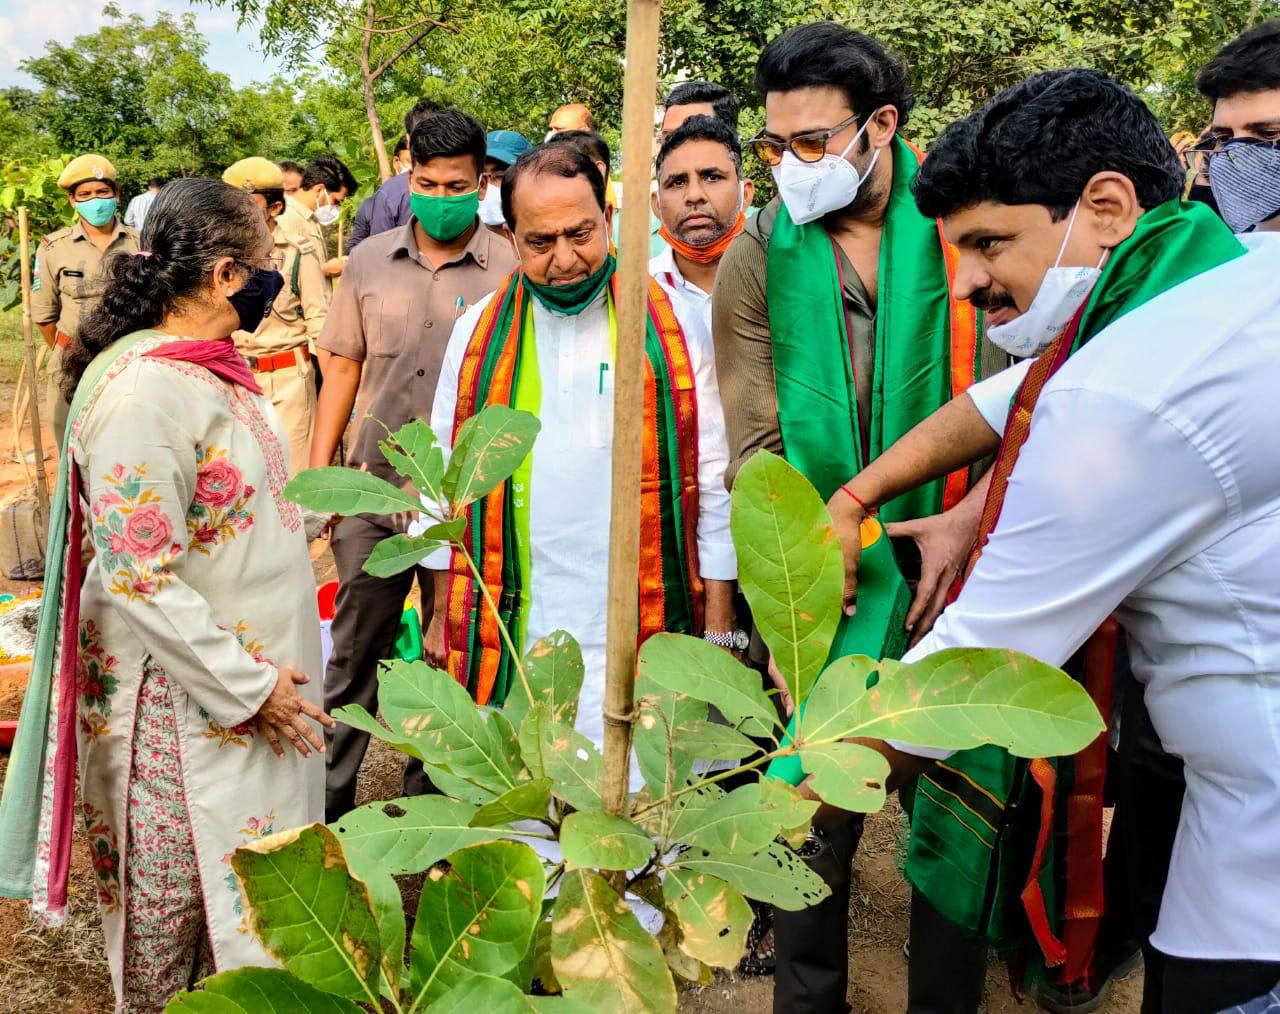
(443, 408)
(1106, 495)
(138, 473)
(994, 396)
(717, 560)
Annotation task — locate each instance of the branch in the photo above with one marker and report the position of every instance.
(432, 25)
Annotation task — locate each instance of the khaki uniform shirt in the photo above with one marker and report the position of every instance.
(298, 312)
(67, 274)
(394, 312)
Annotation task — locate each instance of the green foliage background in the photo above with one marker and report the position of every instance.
(140, 91)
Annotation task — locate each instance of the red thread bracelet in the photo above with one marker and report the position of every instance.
(870, 511)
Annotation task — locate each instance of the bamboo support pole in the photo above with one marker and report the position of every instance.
(640, 89)
(33, 408)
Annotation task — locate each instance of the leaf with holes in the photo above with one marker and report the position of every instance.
(593, 839)
(410, 834)
(475, 916)
(714, 918)
(489, 448)
(310, 912)
(258, 991)
(348, 491)
(776, 875)
(602, 955)
(413, 451)
(555, 670)
(435, 711)
(790, 566)
(527, 801)
(958, 699)
(847, 775)
(692, 666)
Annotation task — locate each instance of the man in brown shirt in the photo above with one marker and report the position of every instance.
(385, 336)
(68, 266)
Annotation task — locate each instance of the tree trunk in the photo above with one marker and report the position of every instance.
(370, 105)
(624, 524)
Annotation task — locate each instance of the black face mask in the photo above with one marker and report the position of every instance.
(253, 300)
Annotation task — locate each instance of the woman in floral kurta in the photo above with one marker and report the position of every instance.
(198, 587)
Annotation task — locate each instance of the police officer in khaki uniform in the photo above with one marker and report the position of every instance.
(66, 277)
(280, 350)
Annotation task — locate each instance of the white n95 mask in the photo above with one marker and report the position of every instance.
(491, 206)
(813, 189)
(1061, 293)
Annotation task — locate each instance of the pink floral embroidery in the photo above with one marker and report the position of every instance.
(255, 827)
(236, 735)
(220, 510)
(95, 682)
(104, 853)
(132, 534)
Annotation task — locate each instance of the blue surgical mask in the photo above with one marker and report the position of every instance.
(97, 211)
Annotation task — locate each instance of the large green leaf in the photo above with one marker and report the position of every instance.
(790, 566)
(957, 699)
(413, 452)
(355, 716)
(602, 955)
(460, 788)
(707, 740)
(742, 821)
(573, 764)
(432, 708)
(689, 810)
(258, 991)
(397, 553)
(659, 716)
(477, 915)
(348, 491)
(533, 735)
(714, 918)
(489, 448)
(555, 670)
(411, 834)
(527, 801)
(487, 994)
(600, 840)
(797, 810)
(388, 909)
(775, 875)
(692, 666)
(847, 775)
(311, 914)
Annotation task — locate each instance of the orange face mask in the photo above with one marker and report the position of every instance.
(710, 253)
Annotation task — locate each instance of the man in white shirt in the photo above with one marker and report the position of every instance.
(544, 343)
(1137, 476)
(136, 214)
(702, 198)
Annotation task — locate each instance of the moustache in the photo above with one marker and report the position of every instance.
(987, 300)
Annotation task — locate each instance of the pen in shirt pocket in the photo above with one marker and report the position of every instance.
(459, 309)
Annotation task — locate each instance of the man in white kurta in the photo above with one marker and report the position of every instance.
(561, 234)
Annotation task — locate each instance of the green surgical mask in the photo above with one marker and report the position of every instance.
(445, 218)
(573, 299)
(97, 211)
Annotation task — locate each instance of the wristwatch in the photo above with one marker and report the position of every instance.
(734, 640)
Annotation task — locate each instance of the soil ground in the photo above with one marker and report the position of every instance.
(54, 971)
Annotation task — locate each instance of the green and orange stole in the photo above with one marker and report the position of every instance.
(670, 586)
(1000, 845)
(926, 345)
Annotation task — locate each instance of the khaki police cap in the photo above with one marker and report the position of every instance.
(254, 174)
(84, 168)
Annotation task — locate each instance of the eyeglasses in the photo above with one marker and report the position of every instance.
(810, 147)
(1229, 146)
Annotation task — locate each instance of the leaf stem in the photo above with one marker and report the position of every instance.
(719, 776)
(502, 627)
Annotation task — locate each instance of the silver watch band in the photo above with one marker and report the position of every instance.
(721, 639)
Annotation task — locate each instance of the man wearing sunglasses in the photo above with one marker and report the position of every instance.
(835, 334)
(1243, 142)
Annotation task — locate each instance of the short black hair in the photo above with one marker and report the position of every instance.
(823, 53)
(448, 134)
(289, 167)
(1248, 63)
(701, 128)
(550, 159)
(401, 145)
(691, 93)
(157, 182)
(420, 111)
(591, 144)
(332, 172)
(1041, 141)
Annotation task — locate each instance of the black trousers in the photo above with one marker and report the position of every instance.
(1204, 986)
(947, 967)
(812, 945)
(364, 627)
